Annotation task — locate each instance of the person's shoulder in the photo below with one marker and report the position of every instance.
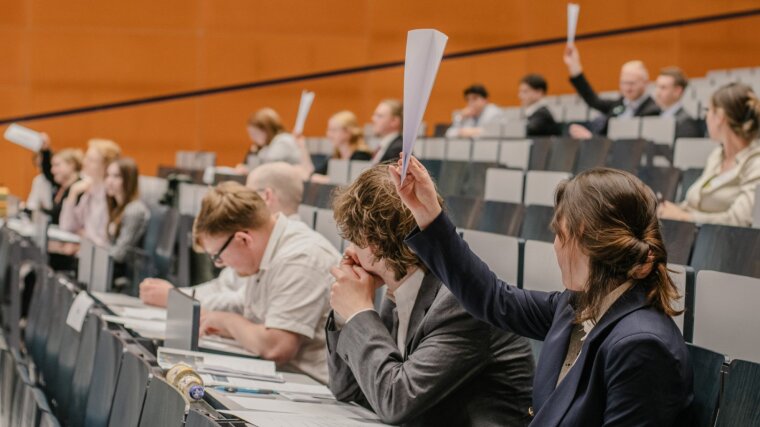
(361, 155)
(299, 242)
(137, 207)
(647, 325)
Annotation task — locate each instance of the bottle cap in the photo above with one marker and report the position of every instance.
(196, 392)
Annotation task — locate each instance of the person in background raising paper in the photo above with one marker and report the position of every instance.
(272, 295)
(420, 359)
(532, 91)
(634, 101)
(270, 142)
(725, 193)
(469, 121)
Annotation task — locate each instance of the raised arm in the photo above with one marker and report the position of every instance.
(573, 61)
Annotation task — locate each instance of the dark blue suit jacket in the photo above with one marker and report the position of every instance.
(633, 369)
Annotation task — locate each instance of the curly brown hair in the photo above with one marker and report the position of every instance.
(369, 213)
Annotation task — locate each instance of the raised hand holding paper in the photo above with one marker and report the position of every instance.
(424, 51)
(303, 110)
(573, 10)
(25, 137)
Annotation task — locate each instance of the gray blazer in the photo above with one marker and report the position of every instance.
(457, 371)
(134, 222)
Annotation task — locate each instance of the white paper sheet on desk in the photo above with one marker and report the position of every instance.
(118, 300)
(216, 343)
(337, 409)
(78, 311)
(307, 98)
(55, 233)
(573, 11)
(169, 356)
(424, 51)
(286, 387)
(23, 136)
(138, 325)
(273, 419)
(144, 313)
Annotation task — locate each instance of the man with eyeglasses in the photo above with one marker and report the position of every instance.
(272, 295)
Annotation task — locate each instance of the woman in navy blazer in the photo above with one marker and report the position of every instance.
(612, 355)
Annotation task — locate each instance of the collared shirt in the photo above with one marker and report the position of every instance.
(383, 147)
(490, 113)
(632, 106)
(580, 332)
(405, 296)
(719, 197)
(672, 110)
(289, 292)
(89, 214)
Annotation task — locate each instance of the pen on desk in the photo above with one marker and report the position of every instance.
(257, 391)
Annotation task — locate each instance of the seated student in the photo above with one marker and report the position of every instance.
(668, 91)
(634, 101)
(272, 295)
(531, 92)
(347, 139)
(725, 193)
(62, 171)
(280, 185)
(85, 210)
(127, 215)
(40, 196)
(469, 121)
(420, 360)
(387, 121)
(612, 354)
(270, 141)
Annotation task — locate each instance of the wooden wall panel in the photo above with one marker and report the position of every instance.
(68, 54)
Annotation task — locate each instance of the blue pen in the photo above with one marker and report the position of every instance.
(257, 391)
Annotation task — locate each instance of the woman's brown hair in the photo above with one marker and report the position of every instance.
(129, 186)
(741, 108)
(612, 216)
(268, 121)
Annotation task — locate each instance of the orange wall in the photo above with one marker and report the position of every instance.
(66, 54)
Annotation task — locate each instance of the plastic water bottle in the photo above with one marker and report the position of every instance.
(184, 378)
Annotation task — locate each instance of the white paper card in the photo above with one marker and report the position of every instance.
(286, 387)
(307, 98)
(78, 311)
(573, 10)
(220, 365)
(272, 419)
(144, 313)
(424, 51)
(338, 409)
(23, 136)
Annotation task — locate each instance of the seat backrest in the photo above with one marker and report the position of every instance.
(662, 180)
(679, 239)
(67, 361)
(626, 154)
(167, 241)
(36, 314)
(102, 271)
(462, 210)
(660, 130)
(82, 377)
(740, 399)
(55, 337)
(624, 128)
(725, 305)
(18, 399)
(540, 269)
(164, 405)
(453, 177)
(433, 167)
(9, 375)
(514, 129)
(539, 153)
(692, 152)
(536, 223)
(541, 185)
(592, 153)
(325, 225)
(134, 377)
(105, 373)
(727, 249)
(500, 218)
(356, 167)
(707, 366)
(504, 185)
(756, 209)
(435, 148)
(325, 195)
(337, 171)
(152, 189)
(517, 153)
(197, 419)
(683, 277)
(485, 150)
(563, 155)
(475, 183)
(501, 253)
(458, 149)
(46, 320)
(688, 178)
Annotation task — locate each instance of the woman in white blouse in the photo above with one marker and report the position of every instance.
(725, 193)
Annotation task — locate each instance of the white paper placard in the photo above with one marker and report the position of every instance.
(424, 51)
(23, 136)
(573, 11)
(307, 98)
(78, 311)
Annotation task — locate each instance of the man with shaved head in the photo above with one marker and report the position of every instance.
(634, 101)
(280, 185)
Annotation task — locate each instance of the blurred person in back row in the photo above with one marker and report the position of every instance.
(470, 120)
(532, 93)
(269, 141)
(272, 293)
(387, 123)
(669, 90)
(633, 101)
(725, 193)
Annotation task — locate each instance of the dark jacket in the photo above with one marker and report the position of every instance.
(542, 123)
(356, 155)
(57, 202)
(457, 371)
(608, 107)
(686, 126)
(394, 149)
(633, 368)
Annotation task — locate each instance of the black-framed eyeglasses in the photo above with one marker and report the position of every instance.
(215, 257)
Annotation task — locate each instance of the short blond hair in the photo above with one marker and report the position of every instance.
(638, 66)
(228, 208)
(283, 178)
(72, 156)
(108, 149)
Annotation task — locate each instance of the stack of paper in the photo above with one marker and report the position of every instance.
(273, 419)
(224, 366)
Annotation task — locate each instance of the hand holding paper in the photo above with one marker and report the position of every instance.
(303, 111)
(424, 51)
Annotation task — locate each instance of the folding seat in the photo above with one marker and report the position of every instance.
(626, 154)
(105, 374)
(592, 153)
(727, 249)
(740, 399)
(134, 378)
(164, 405)
(541, 185)
(662, 180)
(72, 409)
(540, 269)
(500, 218)
(500, 252)
(504, 185)
(462, 210)
(708, 366)
(536, 223)
(563, 155)
(679, 239)
(516, 154)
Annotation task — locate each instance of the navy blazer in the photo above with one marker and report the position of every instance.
(633, 368)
